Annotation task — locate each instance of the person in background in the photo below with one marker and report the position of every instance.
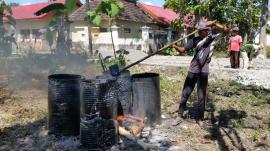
(257, 48)
(199, 68)
(251, 51)
(235, 43)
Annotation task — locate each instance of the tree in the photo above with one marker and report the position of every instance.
(60, 23)
(6, 39)
(111, 8)
(263, 26)
(244, 13)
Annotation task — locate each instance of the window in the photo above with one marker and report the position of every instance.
(25, 33)
(102, 29)
(151, 36)
(36, 34)
(127, 30)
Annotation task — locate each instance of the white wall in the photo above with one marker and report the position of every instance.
(41, 44)
(79, 34)
(102, 40)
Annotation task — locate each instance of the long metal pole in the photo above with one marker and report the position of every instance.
(161, 49)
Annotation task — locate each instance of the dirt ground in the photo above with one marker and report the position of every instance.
(237, 116)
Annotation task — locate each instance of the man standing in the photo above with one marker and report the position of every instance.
(235, 43)
(199, 68)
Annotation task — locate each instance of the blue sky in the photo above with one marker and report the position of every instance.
(155, 2)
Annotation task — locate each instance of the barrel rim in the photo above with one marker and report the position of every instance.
(65, 77)
(145, 75)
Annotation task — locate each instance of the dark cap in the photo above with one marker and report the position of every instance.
(202, 26)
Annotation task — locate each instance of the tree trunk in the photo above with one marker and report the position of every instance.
(110, 24)
(61, 48)
(263, 23)
(90, 46)
(68, 39)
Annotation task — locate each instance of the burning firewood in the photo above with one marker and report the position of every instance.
(131, 128)
(136, 129)
(131, 117)
(128, 135)
(132, 123)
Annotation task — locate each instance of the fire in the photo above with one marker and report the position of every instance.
(120, 118)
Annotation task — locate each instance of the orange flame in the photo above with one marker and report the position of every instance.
(120, 118)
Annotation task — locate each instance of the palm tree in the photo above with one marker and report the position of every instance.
(60, 23)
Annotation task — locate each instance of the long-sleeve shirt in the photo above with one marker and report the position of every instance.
(203, 52)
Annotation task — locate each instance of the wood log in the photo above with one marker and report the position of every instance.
(141, 119)
(128, 135)
(136, 129)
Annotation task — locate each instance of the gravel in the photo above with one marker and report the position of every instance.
(257, 74)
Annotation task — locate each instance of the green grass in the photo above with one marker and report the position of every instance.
(170, 92)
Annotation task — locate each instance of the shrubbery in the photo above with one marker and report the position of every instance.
(170, 52)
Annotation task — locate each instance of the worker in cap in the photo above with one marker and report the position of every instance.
(199, 68)
(235, 43)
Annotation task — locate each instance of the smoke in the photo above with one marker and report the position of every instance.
(32, 70)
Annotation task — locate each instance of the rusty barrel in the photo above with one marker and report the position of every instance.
(64, 104)
(146, 97)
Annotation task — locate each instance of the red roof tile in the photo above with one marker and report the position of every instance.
(161, 14)
(28, 11)
(131, 12)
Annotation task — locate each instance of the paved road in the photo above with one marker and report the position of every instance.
(184, 61)
(258, 74)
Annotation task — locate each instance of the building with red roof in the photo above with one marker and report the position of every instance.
(163, 15)
(28, 25)
(130, 24)
(130, 27)
(27, 11)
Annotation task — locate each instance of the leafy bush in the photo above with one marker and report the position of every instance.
(170, 52)
(121, 59)
(249, 48)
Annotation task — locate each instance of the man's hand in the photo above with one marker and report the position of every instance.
(219, 26)
(172, 46)
(211, 23)
(177, 48)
